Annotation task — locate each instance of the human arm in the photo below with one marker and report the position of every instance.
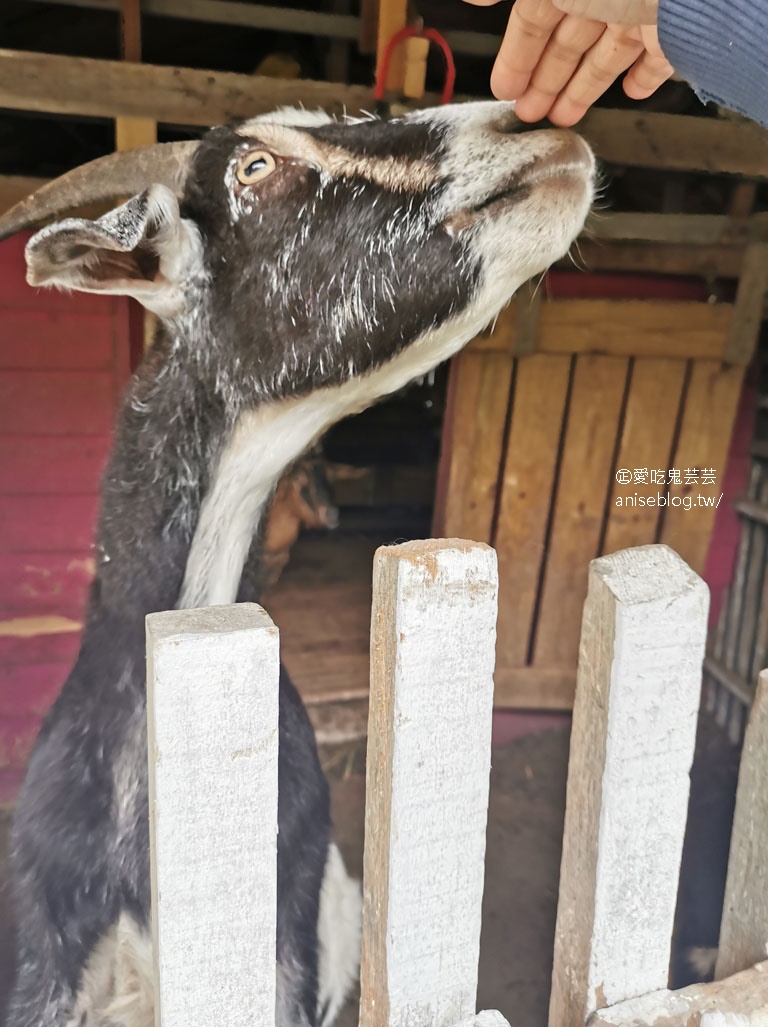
(558, 56)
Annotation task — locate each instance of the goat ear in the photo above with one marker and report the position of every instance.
(142, 249)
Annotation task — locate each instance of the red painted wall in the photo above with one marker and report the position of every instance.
(63, 363)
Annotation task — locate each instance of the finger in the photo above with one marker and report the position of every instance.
(646, 75)
(616, 50)
(614, 12)
(482, 3)
(572, 38)
(530, 25)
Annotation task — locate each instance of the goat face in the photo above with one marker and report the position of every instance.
(320, 250)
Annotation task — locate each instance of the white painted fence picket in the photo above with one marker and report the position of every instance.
(212, 709)
(433, 638)
(634, 729)
(212, 678)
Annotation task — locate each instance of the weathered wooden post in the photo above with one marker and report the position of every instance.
(634, 726)
(744, 928)
(212, 695)
(429, 744)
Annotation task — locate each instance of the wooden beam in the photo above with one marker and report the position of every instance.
(690, 229)
(393, 16)
(744, 928)
(473, 443)
(179, 96)
(132, 132)
(537, 407)
(282, 19)
(14, 188)
(709, 262)
(185, 96)
(225, 12)
(130, 30)
(677, 142)
(433, 620)
(627, 328)
(212, 712)
(748, 308)
(739, 1000)
(532, 688)
(645, 622)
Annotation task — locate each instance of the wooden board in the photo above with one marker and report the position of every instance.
(185, 96)
(539, 403)
(57, 402)
(32, 688)
(698, 229)
(36, 581)
(739, 1000)
(711, 400)
(748, 310)
(393, 15)
(676, 142)
(580, 503)
(716, 261)
(50, 464)
(35, 524)
(181, 96)
(744, 928)
(534, 688)
(647, 438)
(626, 328)
(82, 341)
(474, 441)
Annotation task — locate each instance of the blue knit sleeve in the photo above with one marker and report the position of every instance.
(721, 48)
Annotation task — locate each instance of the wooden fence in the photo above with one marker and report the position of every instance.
(212, 701)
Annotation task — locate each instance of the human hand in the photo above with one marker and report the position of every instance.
(558, 56)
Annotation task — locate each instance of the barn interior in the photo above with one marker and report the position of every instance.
(642, 354)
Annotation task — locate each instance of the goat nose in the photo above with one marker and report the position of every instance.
(525, 126)
(510, 124)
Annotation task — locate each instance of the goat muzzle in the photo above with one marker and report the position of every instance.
(115, 176)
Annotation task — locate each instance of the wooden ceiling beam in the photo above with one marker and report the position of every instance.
(690, 229)
(185, 96)
(677, 142)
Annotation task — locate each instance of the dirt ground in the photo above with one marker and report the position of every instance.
(522, 863)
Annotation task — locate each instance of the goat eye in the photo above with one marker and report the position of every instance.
(255, 166)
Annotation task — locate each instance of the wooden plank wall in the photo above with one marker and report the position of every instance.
(64, 361)
(612, 385)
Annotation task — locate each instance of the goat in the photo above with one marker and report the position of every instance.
(302, 500)
(301, 269)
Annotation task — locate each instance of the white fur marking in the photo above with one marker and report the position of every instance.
(264, 442)
(339, 929)
(117, 984)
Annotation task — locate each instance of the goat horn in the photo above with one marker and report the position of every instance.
(107, 178)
